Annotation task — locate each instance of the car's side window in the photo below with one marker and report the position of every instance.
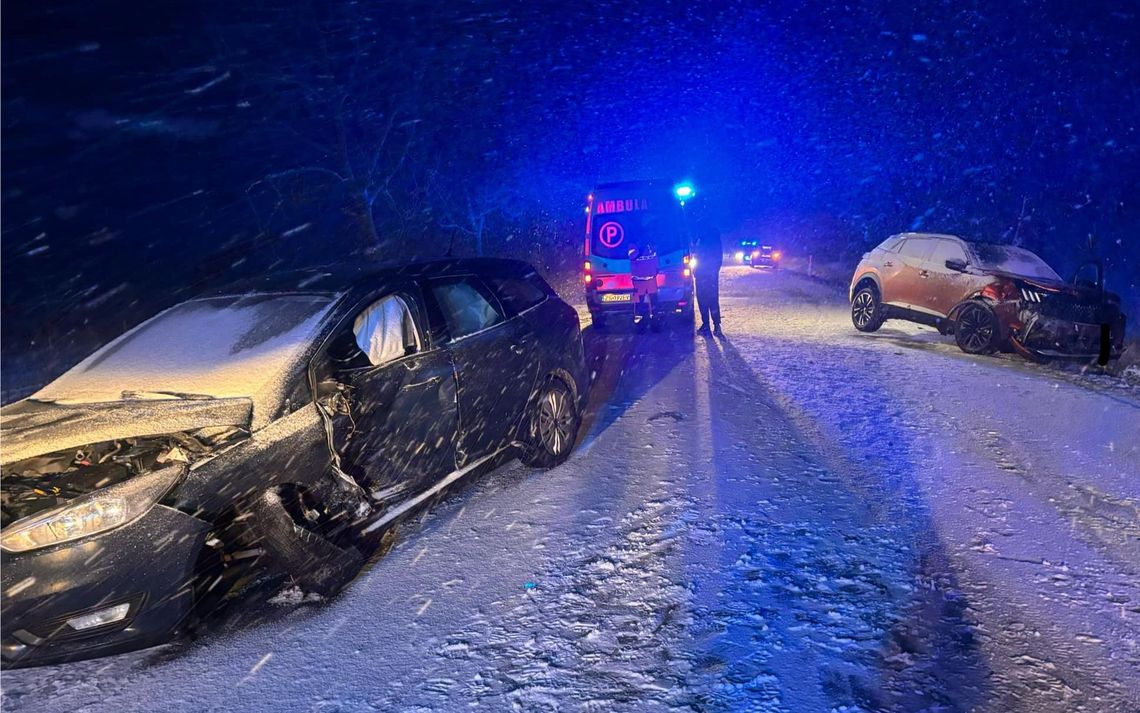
(466, 305)
(386, 331)
(946, 250)
(916, 248)
(517, 294)
(381, 332)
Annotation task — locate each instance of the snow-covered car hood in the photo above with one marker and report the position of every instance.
(30, 428)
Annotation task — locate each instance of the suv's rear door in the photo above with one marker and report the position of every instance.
(906, 286)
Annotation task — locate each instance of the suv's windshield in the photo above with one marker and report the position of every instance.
(220, 347)
(1014, 260)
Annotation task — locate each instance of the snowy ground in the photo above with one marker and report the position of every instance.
(797, 518)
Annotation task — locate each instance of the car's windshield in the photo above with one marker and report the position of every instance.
(1014, 260)
(219, 347)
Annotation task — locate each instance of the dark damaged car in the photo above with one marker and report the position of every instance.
(989, 296)
(283, 429)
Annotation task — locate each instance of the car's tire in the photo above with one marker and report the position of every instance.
(867, 312)
(313, 562)
(976, 328)
(551, 426)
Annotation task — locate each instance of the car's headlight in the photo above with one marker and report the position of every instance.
(93, 513)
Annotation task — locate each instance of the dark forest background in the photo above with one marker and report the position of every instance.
(150, 150)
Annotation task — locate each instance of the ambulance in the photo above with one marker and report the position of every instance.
(637, 214)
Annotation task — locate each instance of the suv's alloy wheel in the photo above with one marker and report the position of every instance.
(976, 328)
(866, 312)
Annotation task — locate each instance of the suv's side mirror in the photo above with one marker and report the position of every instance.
(1089, 275)
(956, 265)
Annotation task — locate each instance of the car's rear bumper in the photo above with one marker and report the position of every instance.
(148, 564)
(668, 298)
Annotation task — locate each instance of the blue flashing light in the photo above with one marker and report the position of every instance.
(684, 191)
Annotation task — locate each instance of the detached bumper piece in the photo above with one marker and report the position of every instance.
(122, 590)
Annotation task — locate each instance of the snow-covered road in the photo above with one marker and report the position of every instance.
(796, 518)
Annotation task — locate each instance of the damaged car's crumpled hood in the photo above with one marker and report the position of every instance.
(30, 428)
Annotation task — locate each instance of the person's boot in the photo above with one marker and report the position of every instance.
(704, 331)
(717, 331)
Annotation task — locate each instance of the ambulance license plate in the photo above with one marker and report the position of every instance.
(617, 297)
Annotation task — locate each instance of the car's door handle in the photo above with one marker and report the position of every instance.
(923, 273)
(427, 382)
(888, 263)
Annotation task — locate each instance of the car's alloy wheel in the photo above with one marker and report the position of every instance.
(976, 328)
(553, 428)
(866, 312)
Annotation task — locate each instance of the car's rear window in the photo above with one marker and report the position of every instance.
(518, 294)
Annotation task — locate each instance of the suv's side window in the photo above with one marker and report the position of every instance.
(916, 248)
(517, 294)
(946, 250)
(466, 305)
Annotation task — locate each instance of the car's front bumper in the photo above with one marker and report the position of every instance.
(1039, 337)
(149, 564)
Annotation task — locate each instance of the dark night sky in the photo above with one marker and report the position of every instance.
(150, 149)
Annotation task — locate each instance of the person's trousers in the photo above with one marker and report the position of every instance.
(708, 296)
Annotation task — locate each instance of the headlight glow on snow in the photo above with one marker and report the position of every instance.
(91, 514)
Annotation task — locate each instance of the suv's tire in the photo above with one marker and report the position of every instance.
(867, 312)
(313, 562)
(976, 328)
(551, 426)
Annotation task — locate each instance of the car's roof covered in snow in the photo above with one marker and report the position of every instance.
(343, 277)
(945, 236)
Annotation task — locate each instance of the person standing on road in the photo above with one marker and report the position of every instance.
(710, 254)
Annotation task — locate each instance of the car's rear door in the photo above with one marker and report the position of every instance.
(491, 361)
(393, 415)
(904, 285)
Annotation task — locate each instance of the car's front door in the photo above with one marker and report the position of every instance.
(389, 397)
(493, 367)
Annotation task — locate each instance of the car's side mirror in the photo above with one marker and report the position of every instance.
(956, 265)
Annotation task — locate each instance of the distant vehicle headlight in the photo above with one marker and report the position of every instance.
(90, 514)
(740, 256)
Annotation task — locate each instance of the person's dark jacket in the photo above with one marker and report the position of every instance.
(708, 248)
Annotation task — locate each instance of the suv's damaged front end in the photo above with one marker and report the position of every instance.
(1052, 321)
